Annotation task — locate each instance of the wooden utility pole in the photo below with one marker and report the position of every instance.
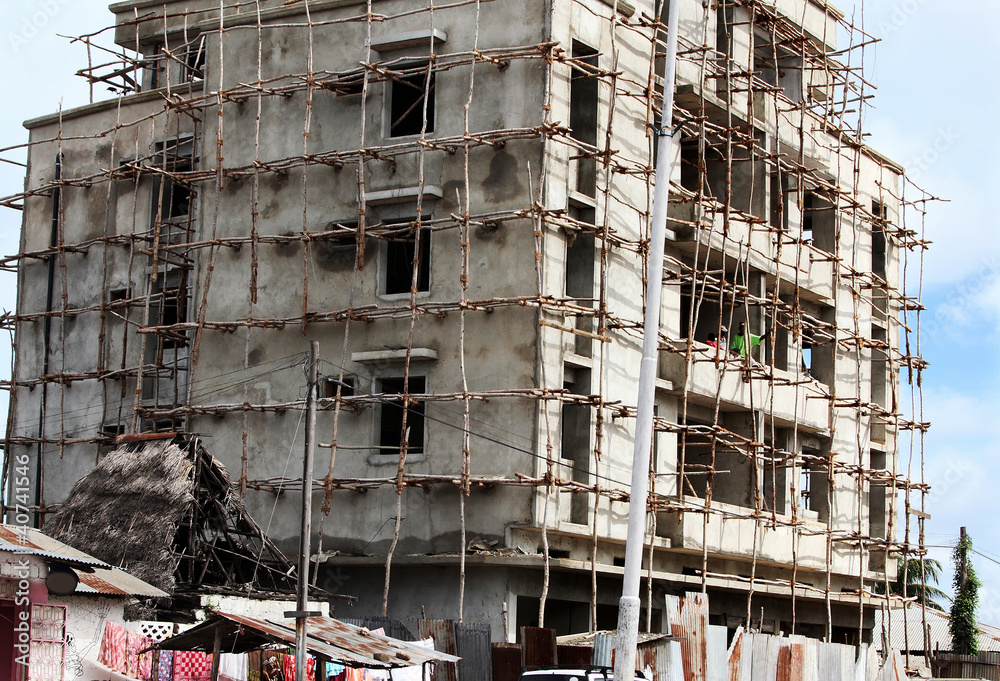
(302, 592)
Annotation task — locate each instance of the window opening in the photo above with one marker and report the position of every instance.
(329, 384)
(819, 222)
(391, 415)
(575, 438)
(579, 276)
(194, 61)
(879, 246)
(774, 473)
(406, 101)
(813, 484)
(583, 113)
(400, 252)
(172, 199)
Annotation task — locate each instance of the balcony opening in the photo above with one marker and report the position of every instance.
(777, 66)
(706, 315)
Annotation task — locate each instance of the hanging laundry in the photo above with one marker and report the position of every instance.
(271, 667)
(165, 669)
(114, 648)
(138, 665)
(234, 667)
(190, 666)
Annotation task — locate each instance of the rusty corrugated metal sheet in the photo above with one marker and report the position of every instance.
(101, 578)
(736, 656)
(506, 661)
(100, 586)
(443, 633)
(538, 647)
(687, 618)
(575, 656)
(348, 644)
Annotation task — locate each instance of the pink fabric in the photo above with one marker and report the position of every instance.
(139, 666)
(114, 648)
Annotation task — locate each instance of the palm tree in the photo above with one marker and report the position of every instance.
(908, 575)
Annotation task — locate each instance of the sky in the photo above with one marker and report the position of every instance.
(936, 70)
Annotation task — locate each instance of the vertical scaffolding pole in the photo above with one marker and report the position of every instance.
(628, 607)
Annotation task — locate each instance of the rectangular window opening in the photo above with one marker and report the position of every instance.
(877, 498)
(172, 311)
(407, 94)
(174, 196)
(575, 443)
(879, 245)
(579, 277)
(813, 484)
(337, 247)
(819, 227)
(400, 261)
(690, 167)
(391, 413)
(194, 60)
(774, 472)
(584, 97)
(330, 384)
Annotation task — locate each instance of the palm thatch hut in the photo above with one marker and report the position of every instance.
(163, 508)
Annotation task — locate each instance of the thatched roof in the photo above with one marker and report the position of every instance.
(165, 510)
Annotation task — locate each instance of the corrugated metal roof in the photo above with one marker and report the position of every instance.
(340, 642)
(912, 633)
(99, 578)
(28, 540)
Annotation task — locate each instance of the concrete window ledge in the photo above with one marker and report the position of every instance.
(377, 356)
(402, 41)
(402, 195)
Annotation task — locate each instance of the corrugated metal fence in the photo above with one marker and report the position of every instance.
(763, 657)
(986, 665)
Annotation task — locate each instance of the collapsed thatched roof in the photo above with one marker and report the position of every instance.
(165, 510)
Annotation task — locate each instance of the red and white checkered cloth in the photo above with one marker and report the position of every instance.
(192, 666)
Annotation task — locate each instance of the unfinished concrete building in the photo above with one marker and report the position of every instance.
(454, 200)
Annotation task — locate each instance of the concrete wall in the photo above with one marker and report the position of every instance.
(505, 348)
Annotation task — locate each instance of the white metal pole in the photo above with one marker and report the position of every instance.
(628, 612)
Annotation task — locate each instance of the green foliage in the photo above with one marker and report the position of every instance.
(962, 622)
(909, 584)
